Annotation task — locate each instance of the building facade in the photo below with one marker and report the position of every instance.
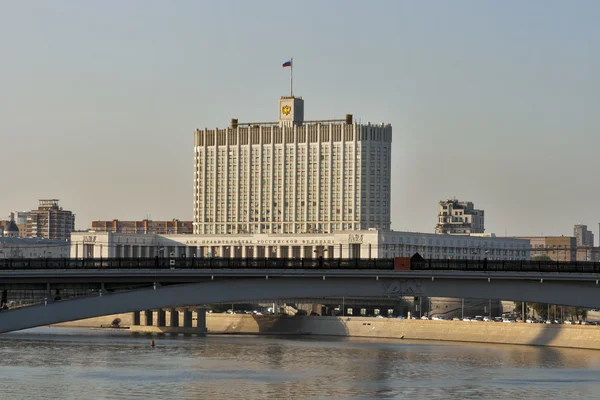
(19, 218)
(50, 221)
(292, 176)
(356, 244)
(459, 218)
(144, 226)
(558, 248)
(583, 236)
(14, 247)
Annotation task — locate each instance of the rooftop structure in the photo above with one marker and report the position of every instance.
(143, 226)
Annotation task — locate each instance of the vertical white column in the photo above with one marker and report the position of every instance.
(238, 216)
(343, 205)
(244, 251)
(307, 204)
(318, 219)
(346, 250)
(272, 214)
(188, 251)
(260, 178)
(204, 194)
(249, 187)
(284, 180)
(278, 251)
(355, 181)
(366, 158)
(217, 183)
(295, 178)
(226, 208)
(330, 214)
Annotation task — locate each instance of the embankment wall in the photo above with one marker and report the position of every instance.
(574, 336)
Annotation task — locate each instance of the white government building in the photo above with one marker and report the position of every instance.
(294, 188)
(292, 175)
(361, 244)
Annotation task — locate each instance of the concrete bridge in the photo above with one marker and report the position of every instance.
(120, 291)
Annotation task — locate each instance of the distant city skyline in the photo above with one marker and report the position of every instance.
(490, 102)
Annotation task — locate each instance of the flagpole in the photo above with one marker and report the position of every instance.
(291, 77)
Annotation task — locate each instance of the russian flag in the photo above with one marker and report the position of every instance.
(287, 64)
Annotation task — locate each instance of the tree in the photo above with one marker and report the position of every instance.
(578, 313)
(540, 309)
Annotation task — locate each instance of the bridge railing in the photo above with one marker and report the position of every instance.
(418, 264)
(505, 266)
(195, 263)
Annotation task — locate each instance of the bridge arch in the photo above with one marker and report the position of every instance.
(580, 293)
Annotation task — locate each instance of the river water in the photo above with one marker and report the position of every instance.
(51, 363)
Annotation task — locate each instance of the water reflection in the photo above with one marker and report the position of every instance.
(66, 364)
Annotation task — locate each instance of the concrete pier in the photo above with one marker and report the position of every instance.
(161, 318)
(187, 318)
(201, 319)
(173, 318)
(135, 318)
(148, 318)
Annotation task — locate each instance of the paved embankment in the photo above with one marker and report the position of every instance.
(575, 336)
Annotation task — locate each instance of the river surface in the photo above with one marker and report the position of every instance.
(52, 363)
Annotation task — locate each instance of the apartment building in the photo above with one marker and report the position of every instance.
(50, 221)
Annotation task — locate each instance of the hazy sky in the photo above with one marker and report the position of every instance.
(493, 102)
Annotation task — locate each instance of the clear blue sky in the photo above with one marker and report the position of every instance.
(494, 102)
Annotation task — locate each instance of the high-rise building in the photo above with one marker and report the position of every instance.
(50, 221)
(292, 175)
(144, 226)
(459, 218)
(583, 236)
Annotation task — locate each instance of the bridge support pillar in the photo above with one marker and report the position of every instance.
(173, 318)
(135, 318)
(148, 317)
(187, 318)
(201, 320)
(161, 317)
